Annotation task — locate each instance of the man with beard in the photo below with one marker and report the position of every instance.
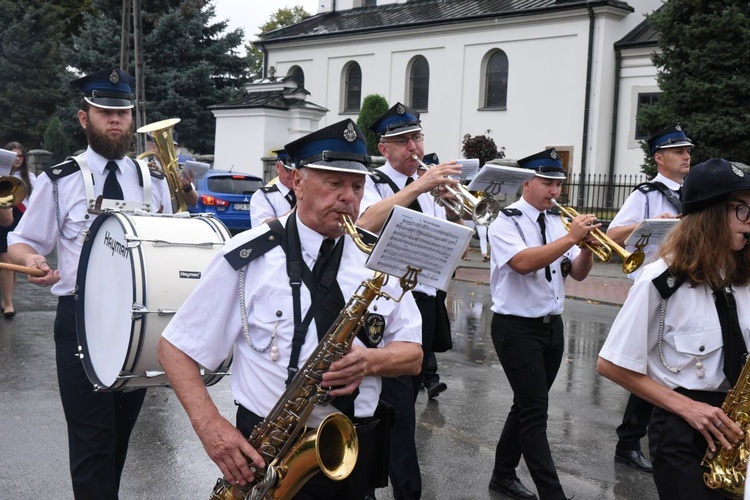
(66, 197)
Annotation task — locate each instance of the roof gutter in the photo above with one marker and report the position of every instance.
(586, 107)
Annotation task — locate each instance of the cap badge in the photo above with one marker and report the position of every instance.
(114, 77)
(400, 109)
(350, 134)
(678, 128)
(553, 154)
(737, 171)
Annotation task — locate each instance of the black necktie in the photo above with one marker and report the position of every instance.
(291, 198)
(323, 256)
(735, 349)
(543, 227)
(679, 193)
(414, 205)
(112, 189)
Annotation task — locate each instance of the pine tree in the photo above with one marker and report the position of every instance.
(704, 75)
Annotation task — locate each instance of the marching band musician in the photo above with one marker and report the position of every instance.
(271, 202)
(99, 423)
(397, 183)
(680, 339)
(260, 322)
(658, 198)
(531, 255)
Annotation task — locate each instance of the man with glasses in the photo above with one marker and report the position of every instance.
(397, 183)
(658, 198)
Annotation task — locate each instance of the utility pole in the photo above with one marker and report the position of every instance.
(140, 92)
(125, 37)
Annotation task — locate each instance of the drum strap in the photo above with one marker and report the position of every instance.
(327, 298)
(97, 204)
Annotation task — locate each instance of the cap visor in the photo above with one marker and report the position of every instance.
(349, 167)
(550, 175)
(402, 130)
(676, 145)
(109, 102)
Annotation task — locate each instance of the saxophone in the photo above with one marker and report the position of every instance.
(727, 469)
(292, 456)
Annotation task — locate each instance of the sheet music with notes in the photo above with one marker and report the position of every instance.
(651, 231)
(6, 161)
(469, 168)
(497, 179)
(414, 239)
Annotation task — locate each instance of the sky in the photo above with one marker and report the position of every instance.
(249, 14)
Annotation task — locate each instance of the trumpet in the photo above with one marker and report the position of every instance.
(605, 245)
(482, 211)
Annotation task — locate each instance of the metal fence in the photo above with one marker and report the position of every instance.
(599, 194)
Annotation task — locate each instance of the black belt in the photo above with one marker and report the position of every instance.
(549, 318)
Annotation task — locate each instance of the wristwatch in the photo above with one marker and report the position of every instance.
(187, 188)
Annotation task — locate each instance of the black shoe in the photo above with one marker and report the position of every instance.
(435, 389)
(8, 314)
(512, 487)
(633, 458)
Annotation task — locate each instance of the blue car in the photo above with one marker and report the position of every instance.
(227, 195)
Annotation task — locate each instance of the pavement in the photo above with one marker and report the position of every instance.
(605, 284)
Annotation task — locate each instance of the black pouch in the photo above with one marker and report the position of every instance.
(442, 340)
(386, 415)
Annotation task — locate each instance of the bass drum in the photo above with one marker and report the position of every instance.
(135, 272)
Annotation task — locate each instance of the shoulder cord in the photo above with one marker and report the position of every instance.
(520, 231)
(246, 326)
(660, 341)
(269, 203)
(56, 195)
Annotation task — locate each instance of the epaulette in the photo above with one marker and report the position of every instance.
(270, 189)
(379, 177)
(60, 170)
(553, 211)
(243, 255)
(511, 212)
(156, 173)
(667, 284)
(646, 187)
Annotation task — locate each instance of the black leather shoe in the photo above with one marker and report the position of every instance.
(633, 458)
(435, 389)
(512, 487)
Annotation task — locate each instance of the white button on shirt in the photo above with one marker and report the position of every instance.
(529, 295)
(38, 227)
(208, 325)
(640, 206)
(692, 333)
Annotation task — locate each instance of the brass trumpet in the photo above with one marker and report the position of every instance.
(604, 246)
(482, 211)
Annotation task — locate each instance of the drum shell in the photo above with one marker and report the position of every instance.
(135, 272)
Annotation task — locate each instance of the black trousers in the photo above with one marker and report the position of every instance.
(530, 352)
(99, 423)
(634, 424)
(677, 450)
(320, 487)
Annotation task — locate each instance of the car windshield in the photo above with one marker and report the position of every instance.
(233, 185)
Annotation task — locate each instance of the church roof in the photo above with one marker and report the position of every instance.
(271, 93)
(643, 35)
(421, 13)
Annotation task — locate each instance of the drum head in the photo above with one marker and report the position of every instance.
(106, 294)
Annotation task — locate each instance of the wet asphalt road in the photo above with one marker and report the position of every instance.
(456, 432)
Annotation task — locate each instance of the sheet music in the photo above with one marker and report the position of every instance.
(469, 168)
(196, 168)
(497, 179)
(414, 239)
(651, 231)
(6, 161)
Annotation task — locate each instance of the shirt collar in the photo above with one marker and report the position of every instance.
(309, 239)
(97, 162)
(674, 186)
(396, 176)
(527, 208)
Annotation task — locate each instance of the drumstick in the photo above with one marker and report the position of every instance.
(33, 271)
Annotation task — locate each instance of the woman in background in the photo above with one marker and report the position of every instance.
(20, 170)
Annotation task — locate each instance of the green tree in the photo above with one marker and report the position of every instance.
(32, 76)
(373, 106)
(55, 141)
(279, 19)
(191, 62)
(704, 75)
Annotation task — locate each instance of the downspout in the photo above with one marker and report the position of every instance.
(613, 141)
(586, 106)
(264, 50)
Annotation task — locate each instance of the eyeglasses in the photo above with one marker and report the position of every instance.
(741, 210)
(404, 140)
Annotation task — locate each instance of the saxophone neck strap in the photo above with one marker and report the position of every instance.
(299, 273)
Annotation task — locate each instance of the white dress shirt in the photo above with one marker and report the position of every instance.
(692, 333)
(208, 325)
(640, 206)
(528, 295)
(264, 206)
(39, 225)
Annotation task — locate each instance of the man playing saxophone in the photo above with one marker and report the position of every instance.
(680, 340)
(273, 322)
